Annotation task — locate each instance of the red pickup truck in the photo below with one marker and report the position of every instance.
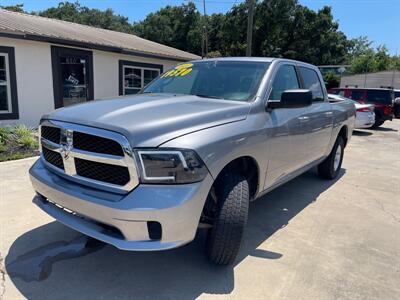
(381, 98)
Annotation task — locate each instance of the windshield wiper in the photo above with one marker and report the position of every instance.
(208, 96)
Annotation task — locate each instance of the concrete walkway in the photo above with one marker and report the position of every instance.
(309, 239)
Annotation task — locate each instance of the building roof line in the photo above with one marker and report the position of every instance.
(37, 28)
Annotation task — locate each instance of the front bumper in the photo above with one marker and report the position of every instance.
(90, 211)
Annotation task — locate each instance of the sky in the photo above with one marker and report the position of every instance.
(379, 20)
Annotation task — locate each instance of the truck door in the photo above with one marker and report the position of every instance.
(320, 115)
(286, 141)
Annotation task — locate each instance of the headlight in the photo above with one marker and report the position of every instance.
(170, 166)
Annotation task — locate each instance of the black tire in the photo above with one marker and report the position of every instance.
(326, 169)
(377, 123)
(225, 237)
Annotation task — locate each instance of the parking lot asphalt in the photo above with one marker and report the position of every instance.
(308, 239)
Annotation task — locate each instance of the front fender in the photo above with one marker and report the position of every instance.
(220, 145)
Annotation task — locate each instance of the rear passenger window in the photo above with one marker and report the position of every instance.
(285, 79)
(312, 83)
(357, 95)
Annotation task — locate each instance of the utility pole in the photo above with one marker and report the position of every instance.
(204, 42)
(250, 5)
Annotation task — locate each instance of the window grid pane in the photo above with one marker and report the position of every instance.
(136, 78)
(4, 84)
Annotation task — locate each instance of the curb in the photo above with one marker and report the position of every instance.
(9, 162)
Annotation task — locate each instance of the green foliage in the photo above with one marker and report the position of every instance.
(213, 54)
(15, 8)
(175, 26)
(24, 136)
(331, 80)
(4, 134)
(374, 60)
(74, 12)
(17, 142)
(358, 46)
(14, 155)
(281, 29)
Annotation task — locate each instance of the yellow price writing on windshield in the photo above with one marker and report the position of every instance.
(180, 70)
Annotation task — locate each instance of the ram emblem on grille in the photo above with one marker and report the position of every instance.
(66, 143)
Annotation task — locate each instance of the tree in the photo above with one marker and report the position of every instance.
(373, 60)
(358, 46)
(382, 59)
(74, 12)
(281, 29)
(15, 8)
(332, 80)
(175, 26)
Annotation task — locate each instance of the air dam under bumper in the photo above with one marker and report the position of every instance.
(176, 207)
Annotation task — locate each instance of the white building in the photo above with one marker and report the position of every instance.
(47, 64)
(383, 79)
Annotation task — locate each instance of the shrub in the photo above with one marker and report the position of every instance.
(28, 142)
(24, 136)
(5, 134)
(2, 147)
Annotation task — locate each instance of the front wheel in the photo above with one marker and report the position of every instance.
(330, 167)
(225, 237)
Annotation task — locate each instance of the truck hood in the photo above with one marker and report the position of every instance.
(149, 120)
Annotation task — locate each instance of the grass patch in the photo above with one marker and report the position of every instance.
(18, 142)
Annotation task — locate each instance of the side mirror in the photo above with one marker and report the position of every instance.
(292, 99)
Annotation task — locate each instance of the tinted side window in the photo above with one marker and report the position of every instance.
(285, 79)
(312, 83)
(357, 95)
(379, 96)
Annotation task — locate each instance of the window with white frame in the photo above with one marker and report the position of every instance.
(136, 75)
(5, 87)
(135, 78)
(8, 85)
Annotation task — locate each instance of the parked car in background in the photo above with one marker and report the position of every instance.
(381, 98)
(396, 105)
(191, 150)
(365, 115)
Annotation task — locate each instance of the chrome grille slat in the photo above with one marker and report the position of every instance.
(70, 155)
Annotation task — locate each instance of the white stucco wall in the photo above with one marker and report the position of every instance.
(105, 69)
(35, 79)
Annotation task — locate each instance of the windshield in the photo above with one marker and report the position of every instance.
(230, 80)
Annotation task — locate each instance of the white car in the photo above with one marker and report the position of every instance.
(365, 115)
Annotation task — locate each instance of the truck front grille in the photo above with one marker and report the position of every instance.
(92, 143)
(52, 134)
(102, 172)
(54, 158)
(91, 156)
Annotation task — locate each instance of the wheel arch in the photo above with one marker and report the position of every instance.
(344, 133)
(248, 167)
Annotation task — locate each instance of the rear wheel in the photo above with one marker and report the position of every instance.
(377, 123)
(225, 236)
(330, 167)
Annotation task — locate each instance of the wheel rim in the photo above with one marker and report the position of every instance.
(338, 156)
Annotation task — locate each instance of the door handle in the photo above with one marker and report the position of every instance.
(329, 113)
(303, 119)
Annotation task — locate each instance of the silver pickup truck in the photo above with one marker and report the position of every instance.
(190, 151)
